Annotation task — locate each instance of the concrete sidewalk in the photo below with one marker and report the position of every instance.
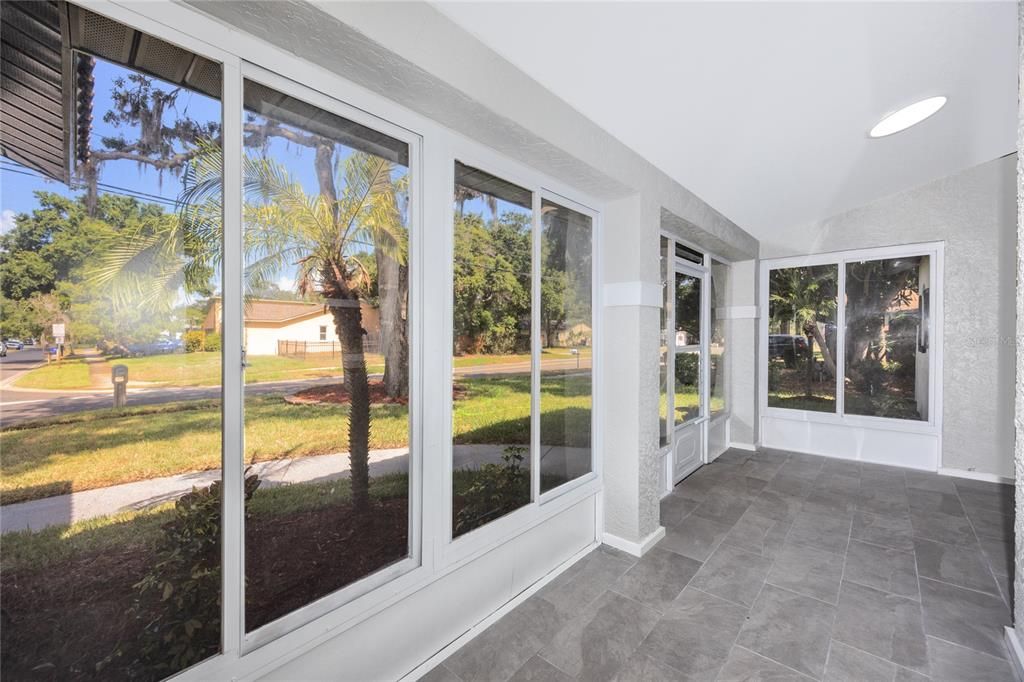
(90, 504)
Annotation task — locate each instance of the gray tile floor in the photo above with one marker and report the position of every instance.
(778, 566)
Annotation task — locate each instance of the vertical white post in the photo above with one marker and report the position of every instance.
(232, 530)
(840, 359)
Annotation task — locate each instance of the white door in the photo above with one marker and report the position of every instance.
(689, 411)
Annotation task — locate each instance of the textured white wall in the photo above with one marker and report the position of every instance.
(974, 213)
(1018, 574)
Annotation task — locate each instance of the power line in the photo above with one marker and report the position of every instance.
(114, 189)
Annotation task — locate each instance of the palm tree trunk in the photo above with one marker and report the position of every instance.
(392, 286)
(348, 324)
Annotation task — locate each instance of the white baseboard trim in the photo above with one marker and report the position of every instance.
(975, 475)
(637, 549)
(744, 446)
(438, 658)
(1013, 646)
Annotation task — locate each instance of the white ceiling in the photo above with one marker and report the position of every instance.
(763, 109)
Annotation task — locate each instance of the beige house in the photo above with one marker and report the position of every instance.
(306, 327)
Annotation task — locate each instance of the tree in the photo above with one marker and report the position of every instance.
(139, 105)
(492, 283)
(285, 227)
(806, 297)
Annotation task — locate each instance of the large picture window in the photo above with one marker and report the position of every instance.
(860, 322)
(567, 338)
(802, 338)
(492, 363)
(111, 479)
(326, 248)
(886, 338)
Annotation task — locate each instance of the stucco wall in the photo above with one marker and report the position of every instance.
(1018, 574)
(974, 213)
(261, 339)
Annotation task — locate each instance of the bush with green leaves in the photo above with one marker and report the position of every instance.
(496, 490)
(179, 600)
(212, 343)
(687, 369)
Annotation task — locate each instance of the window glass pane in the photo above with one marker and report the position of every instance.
(719, 369)
(111, 527)
(886, 338)
(492, 363)
(567, 336)
(687, 340)
(326, 247)
(802, 338)
(665, 350)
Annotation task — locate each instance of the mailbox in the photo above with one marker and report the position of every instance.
(119, 377)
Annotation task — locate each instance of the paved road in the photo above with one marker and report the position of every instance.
(21, 405)
(18, 361)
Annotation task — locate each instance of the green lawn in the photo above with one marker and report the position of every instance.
(94, 449)
(204, 369)
(189, 369)
(68, 375)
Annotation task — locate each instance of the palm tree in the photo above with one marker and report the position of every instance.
(284, 228)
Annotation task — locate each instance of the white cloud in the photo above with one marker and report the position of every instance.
(285, 283)
(7, 221)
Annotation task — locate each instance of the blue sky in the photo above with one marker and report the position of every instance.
(17, 183)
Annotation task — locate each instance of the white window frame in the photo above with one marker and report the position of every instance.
(304, 629)
(332, 601)
(934, 250)
(541, 506)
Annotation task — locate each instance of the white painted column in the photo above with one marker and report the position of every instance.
(743, 347)
(629, 423)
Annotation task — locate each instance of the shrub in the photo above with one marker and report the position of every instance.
(179, 600)
(194, 341)
(497, 490)
(212, 344)
(687, 369)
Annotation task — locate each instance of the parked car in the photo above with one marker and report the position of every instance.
(3, 349)
(16, 344)
(790, 348)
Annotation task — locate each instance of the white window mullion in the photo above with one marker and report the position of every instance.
(535, 348)
(840, 358)
(232, 531)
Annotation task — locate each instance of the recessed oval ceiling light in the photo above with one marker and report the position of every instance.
(907, 116)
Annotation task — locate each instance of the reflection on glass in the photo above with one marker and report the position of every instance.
(567, 336)
(802, 338)
(104, 284)
(326, 247)
(886, 341)
(664, 349)
(492, 362)
(719, 369)
(687, 341)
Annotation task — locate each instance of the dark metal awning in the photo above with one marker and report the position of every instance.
(34, 112)
(48, 50)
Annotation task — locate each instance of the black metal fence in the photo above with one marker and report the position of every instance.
(325, 349)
